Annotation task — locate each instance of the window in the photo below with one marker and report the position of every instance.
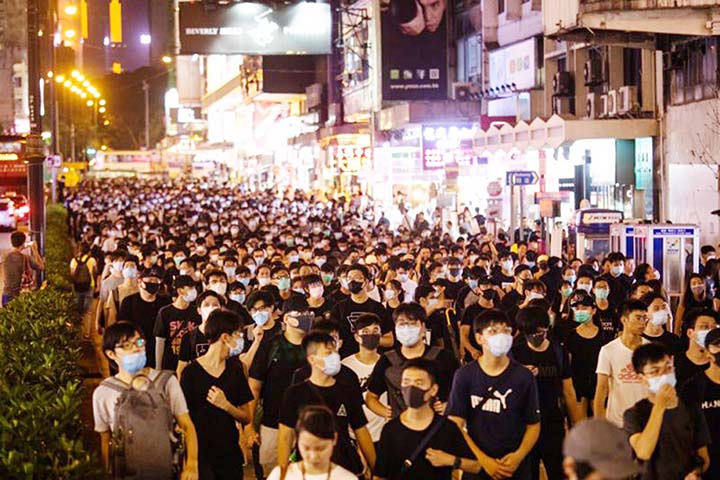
(693, 71)
(501, 6)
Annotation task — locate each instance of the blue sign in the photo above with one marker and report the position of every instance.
(673, 232)
(521, 177)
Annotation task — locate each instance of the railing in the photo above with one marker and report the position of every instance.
(587, 6)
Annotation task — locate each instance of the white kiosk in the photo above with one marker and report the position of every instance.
(622, 239)
(593, 232)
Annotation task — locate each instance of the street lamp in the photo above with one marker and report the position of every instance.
(71, 10)
(90, 103)
(166, 59)
(70, 33)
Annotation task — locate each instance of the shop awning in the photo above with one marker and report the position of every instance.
(557, 131)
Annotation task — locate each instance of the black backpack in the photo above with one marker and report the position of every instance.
(82, 279)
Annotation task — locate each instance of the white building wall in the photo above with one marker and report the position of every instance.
(692, 184)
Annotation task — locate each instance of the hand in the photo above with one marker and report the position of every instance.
(217, 397)
(492, 468)
(438, 458)
(258, 333)
(509, 463)
(474, 353)
(533, 369)
(666, 396)
(388, 412)
(415, 26)
(692, 476)
(251, 436)
(190, 472)
(439, 407)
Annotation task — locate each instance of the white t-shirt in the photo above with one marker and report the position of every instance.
(409, 286)
(294, 473)
(105, 398)
(626, 388)
(363, 371)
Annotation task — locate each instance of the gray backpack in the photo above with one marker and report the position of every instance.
(141, 444)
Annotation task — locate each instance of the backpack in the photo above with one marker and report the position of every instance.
(393, 376)
(141, 443)
(81, 277)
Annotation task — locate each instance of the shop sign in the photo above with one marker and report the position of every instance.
(352, 159)
(255, 29)
(494, 189)
(414, 51)
(673, 232)
(514, 66)
(521, 178)
(448, 147)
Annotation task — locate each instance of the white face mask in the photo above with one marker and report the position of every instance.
(316, 292)
(206, 311)
(218, 287)
(659, 318)
(263, 281)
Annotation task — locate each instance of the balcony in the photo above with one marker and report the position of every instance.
(578, 18)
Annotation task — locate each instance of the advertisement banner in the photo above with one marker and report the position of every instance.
(255, 29)
(414, 49)
(514, 66)
(447, 147)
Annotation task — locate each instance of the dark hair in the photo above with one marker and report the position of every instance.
(317, 420)
(118, 332)
(632, 306)
(17, 239)
(215, 273)
(365, 320)
(310, 279)
(260, 296)
(398, 286)
(423, 291)
(650, 297)
(314, 337)
(615, 257)
(529, 285)
(360, 268)
(692, 316)
(489, 317)
(520, 269)
(221, 321)
(652, 352)
(528, 320)
(688, 297)
(427, 366)
(209, 293)
(641, 271)
(637, 285)
(411, 310)
(326, 326)
(705, 249)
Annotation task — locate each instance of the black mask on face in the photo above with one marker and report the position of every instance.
(305, 321)
(370, 341)
(488, 294)
(355, 287)
(717, 357)
(414, 397)
(151, 288)
(536, 339)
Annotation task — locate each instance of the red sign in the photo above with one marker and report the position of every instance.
(350, 159)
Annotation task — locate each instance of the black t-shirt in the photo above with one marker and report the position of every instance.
(619, 287)
(446, 365)
(584, 353)
(608, 320)
(142, 314)
(682, 433)
(468, 318)
(344, 376)
(553, 366)
(499, 278)
(345, 314)
(705, 393)
(194, 344)
(274, 365)
(323, 312)
(216, 430)
(172, 324)
(670, 340)
(510, 304)
(238, 308)
(452, 289)
(685, 368)
(344, 399)
(398, 442)
(437, 327)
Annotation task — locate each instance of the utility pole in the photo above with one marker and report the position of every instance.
(146, 89)
(34, 149)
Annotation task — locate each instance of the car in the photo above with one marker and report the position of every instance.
(21, 205)
(7, 215)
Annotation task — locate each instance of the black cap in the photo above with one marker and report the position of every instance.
(713, 337)
(152, 272)
(296, 303)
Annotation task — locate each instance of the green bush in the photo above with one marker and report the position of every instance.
(40, 392)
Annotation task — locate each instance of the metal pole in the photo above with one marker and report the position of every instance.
(146, 89)
(72, 142)
(512, 212)
(522, 213)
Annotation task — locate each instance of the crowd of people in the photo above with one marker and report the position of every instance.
(312, 339)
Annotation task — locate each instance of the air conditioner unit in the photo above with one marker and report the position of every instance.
(461, 91)
(627, 98)
(592, 105)
(562, 84)
(592, 72)
(561, 106)
(603, 106)
(612, 103)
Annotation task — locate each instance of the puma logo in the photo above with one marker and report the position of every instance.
(503, 398)
(494, 405)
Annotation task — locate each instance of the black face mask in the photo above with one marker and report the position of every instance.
(455, 272)
(355, 287)
(305, 321)
(414, 397)
(537, 339)
(717, 357)
(488, 294)
(152, 288)
(370, 341)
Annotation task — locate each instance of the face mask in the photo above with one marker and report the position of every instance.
(414, 397)
(355, 287)
(389, 294)
(316, 292)
(370, 341)
(659, 318)
(455, 272)
(566, 292)
(263, 281)
(407, 335)
(129, 272)
(332, 364)
(305, 322)
(344, 283)
(178, 261)
(283, 284)
(699, 289)
(238, 348)
(500, 344)
(656, 383)
(403, 277)
(206, 311)
(133, 362)
(261, 318)
(617, 271)
(585, 286)
(259, 260)
(717, 358)
(190, 296)
(507, 265)
(473, 284)
(252, 268)
(537, 339)
(237, 297)
(327, 278)
(581, 316)
(601, 293)
(117, 266)
(700, 337)
(229, 271)
(571, 279)
(151, 288)
(244, 281)
(433, 302)
(488, 294)
(218, 287)
(320, 262)
(536, 296)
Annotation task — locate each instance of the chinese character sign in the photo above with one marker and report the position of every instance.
(448, 146)
(352, 159)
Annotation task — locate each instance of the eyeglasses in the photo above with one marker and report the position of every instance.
(496, 330)
(129, 344)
